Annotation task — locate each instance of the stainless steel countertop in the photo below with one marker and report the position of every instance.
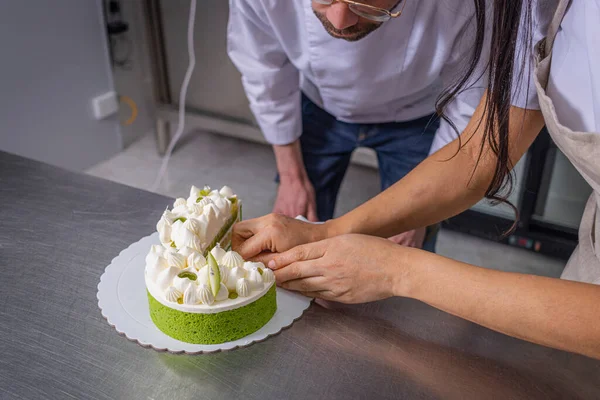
(60, 229)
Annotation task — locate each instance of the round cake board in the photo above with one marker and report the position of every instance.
(123, 301)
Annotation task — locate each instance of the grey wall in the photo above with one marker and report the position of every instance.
(54, 60)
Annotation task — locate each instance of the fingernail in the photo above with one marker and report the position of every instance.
(271, 264)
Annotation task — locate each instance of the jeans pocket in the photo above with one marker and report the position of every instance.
(308, 107)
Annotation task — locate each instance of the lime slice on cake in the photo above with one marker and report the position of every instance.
(214, 275)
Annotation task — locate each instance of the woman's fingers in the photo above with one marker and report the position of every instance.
(303, 252)
(263, 257)
(324, 295)
(297, 270)
(244, 230)
(255, 245)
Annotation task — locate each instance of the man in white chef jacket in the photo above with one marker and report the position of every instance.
(326, 77)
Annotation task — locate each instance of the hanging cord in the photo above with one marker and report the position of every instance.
(182, 96)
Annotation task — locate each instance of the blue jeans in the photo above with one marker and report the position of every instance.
(327, 145)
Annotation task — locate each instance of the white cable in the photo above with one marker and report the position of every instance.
(182, 96)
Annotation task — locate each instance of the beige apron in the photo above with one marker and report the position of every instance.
(583, 150)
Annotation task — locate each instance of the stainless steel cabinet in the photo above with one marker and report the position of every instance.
(564, 192)
(216, 87)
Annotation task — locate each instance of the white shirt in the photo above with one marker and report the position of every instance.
(574, 82)
(394, 74)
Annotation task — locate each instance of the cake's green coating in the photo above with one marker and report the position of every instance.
(214, 328)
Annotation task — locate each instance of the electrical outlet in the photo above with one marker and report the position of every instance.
(105, 105)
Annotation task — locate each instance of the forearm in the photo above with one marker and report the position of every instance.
(289, 161)
(430, 193)
(445, 184)
(552, 312)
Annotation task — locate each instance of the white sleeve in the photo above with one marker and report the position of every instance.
(461, 108)
(271, 82)
(524, 93)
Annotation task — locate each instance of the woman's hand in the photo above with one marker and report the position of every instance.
(346, 268)
(257, 239)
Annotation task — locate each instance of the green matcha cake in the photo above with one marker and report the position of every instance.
(197, 291)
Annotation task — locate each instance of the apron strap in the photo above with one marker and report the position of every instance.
(561, 10)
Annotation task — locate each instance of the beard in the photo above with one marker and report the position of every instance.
(351, 34)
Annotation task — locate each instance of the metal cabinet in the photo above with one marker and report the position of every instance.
(550, 197)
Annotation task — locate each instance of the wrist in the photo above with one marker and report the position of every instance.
(336, 227)
(318, 233)
(289, 162)
(329, 229)
(292, 175)
(413, 268)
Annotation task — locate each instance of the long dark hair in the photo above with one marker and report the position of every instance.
(510, 23)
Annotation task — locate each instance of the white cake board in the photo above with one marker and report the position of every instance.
(124, 303)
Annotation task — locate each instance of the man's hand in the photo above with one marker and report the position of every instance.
(296, 195)
(412, 238)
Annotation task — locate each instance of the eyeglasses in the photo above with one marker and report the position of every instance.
(366, 11)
